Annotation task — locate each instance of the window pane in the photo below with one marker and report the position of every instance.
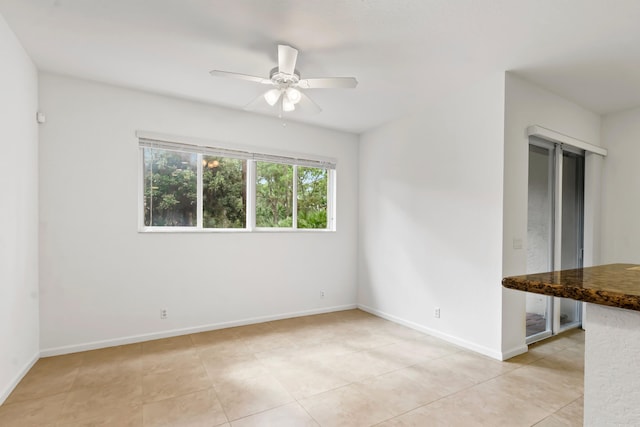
(224, 196)
(274, 195)
(169, 188)
(312, 197)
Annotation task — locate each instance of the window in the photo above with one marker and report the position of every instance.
(274, 195)
(312, 197)
(291, 196)
(195, 188)
(224, 192)
(169, 188)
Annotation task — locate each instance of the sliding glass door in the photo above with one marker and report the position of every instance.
(540, 232)
(554, 231)
(568, 315)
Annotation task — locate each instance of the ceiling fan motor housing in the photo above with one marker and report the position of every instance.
(284, 80)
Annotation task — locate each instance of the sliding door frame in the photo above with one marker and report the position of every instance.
(556, 151)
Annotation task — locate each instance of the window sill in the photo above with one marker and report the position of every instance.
(185, 230)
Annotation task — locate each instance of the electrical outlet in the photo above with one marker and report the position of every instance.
(163, 313)
(321, 294)
(436, 313)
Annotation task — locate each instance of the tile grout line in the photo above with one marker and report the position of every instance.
(563, 346)
(475, 385)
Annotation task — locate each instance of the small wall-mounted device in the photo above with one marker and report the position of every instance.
(40, 117)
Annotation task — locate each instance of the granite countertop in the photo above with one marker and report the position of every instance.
(615, 285)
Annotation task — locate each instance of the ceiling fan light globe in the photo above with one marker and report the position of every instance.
(294, 95)
(287, 105)
(272, 96)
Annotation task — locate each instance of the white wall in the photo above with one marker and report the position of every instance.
(621, 181)
(527, 104)
(18, 212)
(431, 217)
(102, 282)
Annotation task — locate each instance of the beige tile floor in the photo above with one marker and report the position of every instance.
(346, 368)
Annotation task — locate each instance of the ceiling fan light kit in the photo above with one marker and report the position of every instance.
(287, 106)
(293, 94)
(272, 96)
(286, 82)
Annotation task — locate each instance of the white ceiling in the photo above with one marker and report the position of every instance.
(404, 53)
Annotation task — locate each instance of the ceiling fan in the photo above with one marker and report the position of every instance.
(286, 83)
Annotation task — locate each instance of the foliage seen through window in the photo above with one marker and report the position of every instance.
(203, 191)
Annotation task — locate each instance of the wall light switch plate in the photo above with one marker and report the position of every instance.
(517, 243)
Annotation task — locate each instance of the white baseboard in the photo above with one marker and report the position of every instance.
(12, 385)
(514, 352)
(446, 337)
(56, 351)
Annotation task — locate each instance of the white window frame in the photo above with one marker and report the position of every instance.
(331, 216)
(204, 147)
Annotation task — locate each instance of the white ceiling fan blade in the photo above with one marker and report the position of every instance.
(259, 104)
(256, 79)
(287, 57)
(306, 105)
(328, 82)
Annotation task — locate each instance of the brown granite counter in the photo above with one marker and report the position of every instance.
(615, 285)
